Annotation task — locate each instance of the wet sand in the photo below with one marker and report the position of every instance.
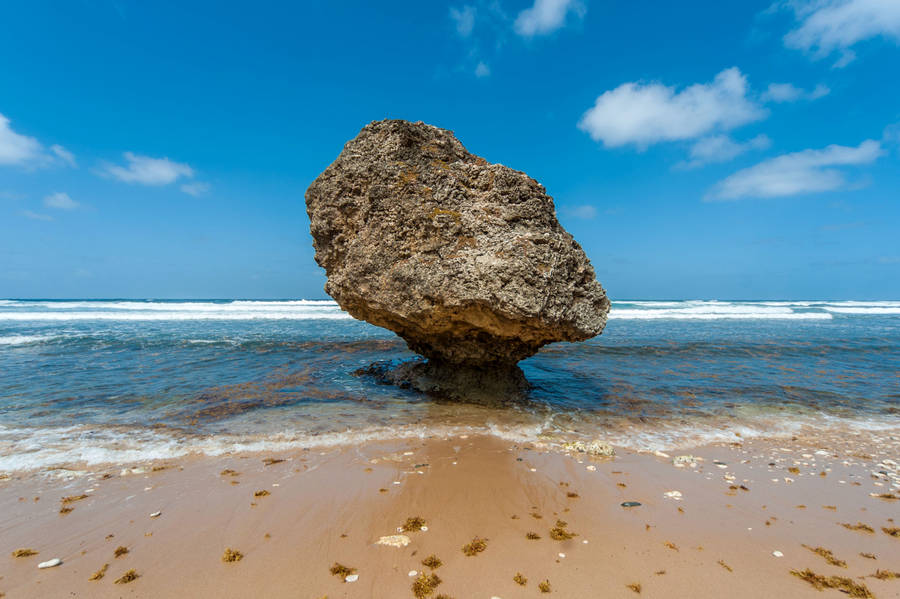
(327, 507)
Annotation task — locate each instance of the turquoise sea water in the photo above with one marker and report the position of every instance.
(90, 382)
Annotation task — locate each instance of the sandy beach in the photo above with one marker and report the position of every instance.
(733, 522)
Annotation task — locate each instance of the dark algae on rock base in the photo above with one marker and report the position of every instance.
(463, 259)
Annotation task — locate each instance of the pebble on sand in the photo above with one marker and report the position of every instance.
(777, 553)
(50, 563)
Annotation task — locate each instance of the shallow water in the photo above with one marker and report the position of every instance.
(99, 381)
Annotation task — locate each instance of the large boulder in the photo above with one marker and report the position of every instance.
(462, 258)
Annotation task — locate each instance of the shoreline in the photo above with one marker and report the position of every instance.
(464, 487)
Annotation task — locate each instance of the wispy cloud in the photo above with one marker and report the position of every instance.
(581, 212)
(721, 148)
(788, 92)
(464, 18)
(61, 201)
(797, 173)
(148, 171)
(546, 16)
(644, 114)
(36, 216)
(15, 148)
(827, 26)
(195, 188)
(482, 70)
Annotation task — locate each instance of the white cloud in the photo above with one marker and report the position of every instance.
(721, 148)
(807, 171)
(482, 70)
(546, 16)
(788, 92)
(17, 149)
(148, 171)
(63, 154)
(36, 216)
(582, 212)
(464, 18)
(644, 114)
(195, 188)
(60, 201)
(826, 26)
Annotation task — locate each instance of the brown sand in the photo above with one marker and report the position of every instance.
(326, 507)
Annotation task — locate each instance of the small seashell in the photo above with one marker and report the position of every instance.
(561, 554)
(351, 578)
(777, 553)
(50, 563)
(413, 573)
(591, 468)
(156, 514)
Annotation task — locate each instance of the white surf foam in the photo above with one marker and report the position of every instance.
(24, 339)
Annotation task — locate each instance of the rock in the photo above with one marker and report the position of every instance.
(630, 504)
(50, 563)
(597, 448)
(462, 258)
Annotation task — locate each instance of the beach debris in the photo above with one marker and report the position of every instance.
(99, 573)
(660, 454)
(414, 524)
(65, 509)
(232, 555)
(676, 495)
(120, 551)
(561, 555)
(630, 504)
(544, 586)
(476, 546)
(50, 563)
(590, 468)
(271, 461)
(680, 461)
(670, 545)
(892, 532)
(532, 536)
(868, 555)
(827, 555)
(559, 532)
(634, 586)
(229, 472)
(261, 493)
(129, 576)
(342, 571)
(519, 579)
(156, 514)
(859, 527)
(351, 577)
(393, 540)
(885, 496)
(572, 495)
(412, 573)
(777, 553)
(594, 448)
(885, 574)
(24, 553)
(432, 561)
(819, 582)
(724, 565)
(425, 584)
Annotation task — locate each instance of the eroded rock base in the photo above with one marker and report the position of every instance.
(490, 384)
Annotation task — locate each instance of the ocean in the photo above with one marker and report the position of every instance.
(85, 383)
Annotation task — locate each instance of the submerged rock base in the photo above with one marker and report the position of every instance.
(489, 384)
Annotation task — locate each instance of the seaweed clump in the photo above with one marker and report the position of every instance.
(845, 585)
(635, 586)
(232, 555)
(519, 579)
(432, 561)
(414, 524)
(828, 556)
(893, 532)
(24, 553)
(425, 584)
(129, 576)
(559, 532)
(885, 574)
(544, 586)
(532, 536)
(342, 570)
(475, 547)
(262, 493)
(859, 526)
(120, 551)
(99, 573)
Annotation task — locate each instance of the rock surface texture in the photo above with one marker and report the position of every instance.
(462, 258)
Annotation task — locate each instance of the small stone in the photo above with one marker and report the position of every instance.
(413, 573)
(561, 554)
(630, 504)
(777, 553)
(50, 563)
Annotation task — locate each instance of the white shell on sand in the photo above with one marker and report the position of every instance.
(51, 563)
(156, 514)
(351, 578)
(777, 553)
(673, 495)
(394, 540)
(412, 573)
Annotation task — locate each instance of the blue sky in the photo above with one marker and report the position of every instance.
(696, 150)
